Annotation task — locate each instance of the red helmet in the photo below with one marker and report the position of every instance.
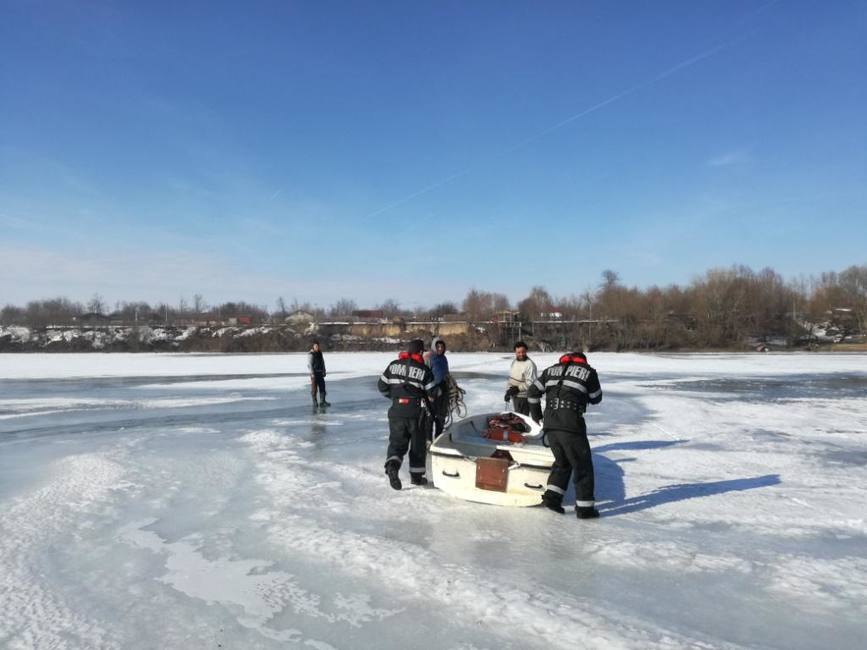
(573, 357)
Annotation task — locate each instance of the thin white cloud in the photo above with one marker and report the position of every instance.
(729, 158)
(261, 227)
(622, 94)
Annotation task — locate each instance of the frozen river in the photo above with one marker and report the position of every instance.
(175, 501)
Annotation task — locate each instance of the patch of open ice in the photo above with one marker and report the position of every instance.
(251, 585)
(32, 614)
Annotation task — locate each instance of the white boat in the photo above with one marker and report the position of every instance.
(469, 462)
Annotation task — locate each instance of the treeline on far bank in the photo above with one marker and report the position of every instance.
(723, 309)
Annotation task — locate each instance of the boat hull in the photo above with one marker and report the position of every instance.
(455, 470)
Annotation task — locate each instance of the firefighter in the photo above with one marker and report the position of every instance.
(409, 383)
(569, 386)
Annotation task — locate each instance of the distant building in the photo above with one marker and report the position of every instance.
(92, 318)
(507, 316)
(299, 316)
(369, 314)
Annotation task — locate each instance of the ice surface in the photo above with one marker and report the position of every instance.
(179, 501)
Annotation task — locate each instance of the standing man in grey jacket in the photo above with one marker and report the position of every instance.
(522, 373)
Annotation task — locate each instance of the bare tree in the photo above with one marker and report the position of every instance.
(854, 282)
(12, 315)
(390, 308)
(610, 279)
(482, 305)
(443, 309)
(501, 302)
(474, 305)
(537, 302)
(96, 304)
(55, 311)
(343, 308)
(243, 309)
(134, 312)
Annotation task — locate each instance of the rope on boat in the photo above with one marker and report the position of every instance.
(456, 400)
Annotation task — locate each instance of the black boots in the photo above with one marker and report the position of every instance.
(323, 402)
(391, 469)
(586, 513)
(555, 504)
(552, 504)
(554, 507)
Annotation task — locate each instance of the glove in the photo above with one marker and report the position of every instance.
(510, 393)
(536, 413)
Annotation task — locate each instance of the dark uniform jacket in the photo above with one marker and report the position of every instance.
(409, 383)
(568, 387)
(316, 362)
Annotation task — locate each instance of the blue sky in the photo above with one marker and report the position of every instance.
(315, 150)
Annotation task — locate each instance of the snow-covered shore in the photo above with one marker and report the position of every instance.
(120, 338)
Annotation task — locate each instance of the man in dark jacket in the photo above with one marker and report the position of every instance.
(439, 365)
(316, 368)
(409, 383)
(568, 386)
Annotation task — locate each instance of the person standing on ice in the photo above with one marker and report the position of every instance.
(316, 368)
(409, 383)
(569, 386)
(439, 365)
(522, 373)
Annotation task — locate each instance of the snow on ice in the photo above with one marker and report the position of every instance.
(196, 501)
